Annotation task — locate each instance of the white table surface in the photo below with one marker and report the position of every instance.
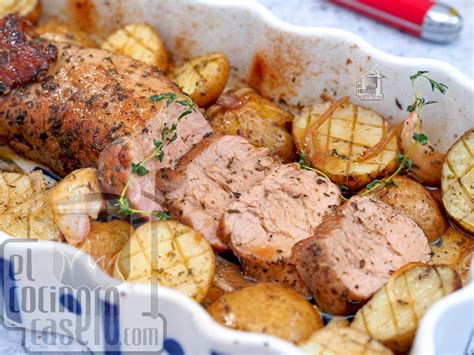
(324, 14)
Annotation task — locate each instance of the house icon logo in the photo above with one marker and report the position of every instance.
(370, 85)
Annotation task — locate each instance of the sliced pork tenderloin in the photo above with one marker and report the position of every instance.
(262, 226)
(207, 179)
(354, 252)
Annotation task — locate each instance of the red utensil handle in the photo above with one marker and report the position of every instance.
(407, 15)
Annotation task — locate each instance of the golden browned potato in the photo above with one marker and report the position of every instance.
(105, 240)
(141, 42)
(457, 182)
(202, 78)
(415, 201)
(454, 249)
(58, 32)
(394, 312)
(228, 278)
(267, 308)
(342, 340)
(30, 9)
(264, 124)
(169, 254)
(337, 137)
(25, 211)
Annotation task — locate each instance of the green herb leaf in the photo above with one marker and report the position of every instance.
(162, 215)
(418, 73)
(371, 185)
(139, 169)
(420, 138)
(124, 207)
(408, 164)
(411, 108)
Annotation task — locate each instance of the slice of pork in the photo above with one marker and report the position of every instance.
(207, 179)
(262, 226)
(354, 252)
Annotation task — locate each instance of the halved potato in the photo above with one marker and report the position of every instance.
(341, 140)
(141, 42)
(58, 32)
(170, 254)
(342, 340)
(30, 9)
(415, 201)
(202, 78)
(228, 278)
(457, 182)
(454, 249)
(105, 240)
(25, 211)
(244, 112)
(267, 308)
(394, 312)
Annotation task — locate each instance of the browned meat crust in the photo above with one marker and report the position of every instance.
(24, 57)
(354, 252)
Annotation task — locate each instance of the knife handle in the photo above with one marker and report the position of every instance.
(422, 18)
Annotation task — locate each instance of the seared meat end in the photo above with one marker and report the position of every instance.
(354, 252)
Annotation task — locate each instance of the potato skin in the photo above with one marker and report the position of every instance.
(203, 78)
(270, 309)
(416, 202)
(454, 249)
(105, 240)
(59, 32)
(256, 118)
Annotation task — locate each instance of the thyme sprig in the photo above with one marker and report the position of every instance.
(306, 166)
(168, 136)
(405, 163)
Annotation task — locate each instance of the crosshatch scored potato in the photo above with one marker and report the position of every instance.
(342, 340)
(25, 211)
(341, 140)
(457, 182)
(394, 312)
(30, 9)
(203, 78)
(141, 42)
(170, 254)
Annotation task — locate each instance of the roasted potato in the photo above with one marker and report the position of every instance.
(105, 240)
(342, 134)
(141, 42)
(202, 78)
(415, 201)
(267, 308)
(394, 312)
(59, 32)
(228, 278)
(342, 340)
(30, 9)
(457, 182)
(170, 254)
(25, 211)
(454, 249)
(264, 124)
(75, 200)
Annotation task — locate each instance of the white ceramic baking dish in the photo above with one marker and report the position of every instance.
(288, 63)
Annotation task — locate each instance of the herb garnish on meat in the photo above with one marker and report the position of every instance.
(168, 136)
